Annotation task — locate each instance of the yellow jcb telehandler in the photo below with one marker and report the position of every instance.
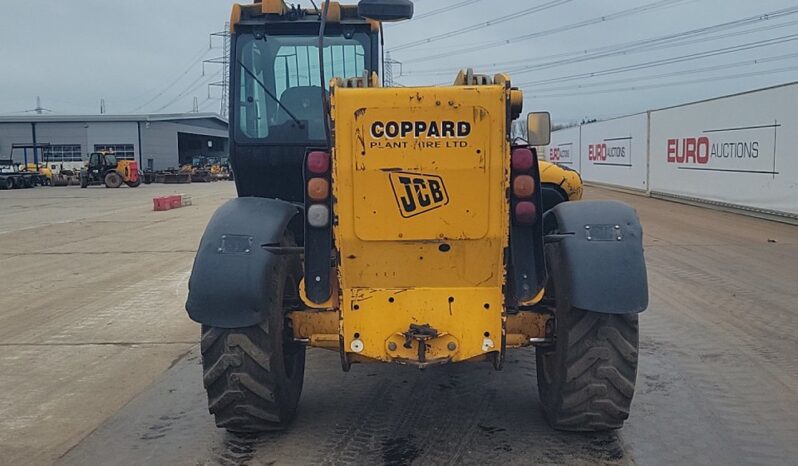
(104, 168)
(401, 225)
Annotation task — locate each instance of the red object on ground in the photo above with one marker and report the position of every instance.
(176, 201)
(134, 172)
(161, 203)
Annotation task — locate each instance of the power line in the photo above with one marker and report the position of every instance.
(667, 61)
(671, 84)
(196, 84)
(502, 42)
(637, 46)
(206, 104)
(188, 69)
(680, 43)
(493, 22)
(438, 11)
(756, 61)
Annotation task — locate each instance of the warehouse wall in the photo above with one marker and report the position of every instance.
(159, 141)
(13, 133)
(158, 138)
(62, 133)
(46, 133)
(105, 133)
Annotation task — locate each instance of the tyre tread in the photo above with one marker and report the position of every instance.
(595, 378)
(244, 372)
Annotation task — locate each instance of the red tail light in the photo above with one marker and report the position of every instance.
(522, 159)
(318, 162)
(525, 213)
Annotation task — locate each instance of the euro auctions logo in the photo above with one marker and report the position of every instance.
(749, 149)
(615, 151)
(561, 154)
(417, 193)
(689, 150)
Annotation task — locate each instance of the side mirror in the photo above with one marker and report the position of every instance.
(538, 127)
(385, 11)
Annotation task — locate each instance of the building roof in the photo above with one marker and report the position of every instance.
(28, 118)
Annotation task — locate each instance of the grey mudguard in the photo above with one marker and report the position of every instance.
(227, 285)
(599, 256)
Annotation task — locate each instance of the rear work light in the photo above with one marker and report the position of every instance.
(318, 215)
(318, 162)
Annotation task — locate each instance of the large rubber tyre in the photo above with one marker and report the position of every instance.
(254, 375)
(113, 180)
(8, 183)
(586, 380)
(134, 184)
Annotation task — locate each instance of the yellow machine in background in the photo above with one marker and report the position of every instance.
(105, 168)
(42, 169)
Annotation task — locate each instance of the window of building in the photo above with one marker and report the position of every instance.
(59, 153)
(121, 151)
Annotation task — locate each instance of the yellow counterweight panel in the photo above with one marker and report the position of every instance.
(468, 320)
(421, 177)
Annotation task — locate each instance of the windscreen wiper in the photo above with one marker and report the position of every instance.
(268, 92)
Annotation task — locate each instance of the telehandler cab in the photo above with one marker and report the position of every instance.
(401, 225)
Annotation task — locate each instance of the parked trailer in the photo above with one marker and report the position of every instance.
(166, 177)
(12, 178)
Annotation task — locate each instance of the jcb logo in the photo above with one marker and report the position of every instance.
(416, 193)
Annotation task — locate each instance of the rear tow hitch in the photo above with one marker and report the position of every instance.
(422, 334)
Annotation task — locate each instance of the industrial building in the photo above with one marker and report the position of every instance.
(157, 142)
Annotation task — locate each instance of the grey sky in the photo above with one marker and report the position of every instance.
(73, 53)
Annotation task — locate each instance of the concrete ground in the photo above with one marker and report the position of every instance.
(99, 363)
(91, 311)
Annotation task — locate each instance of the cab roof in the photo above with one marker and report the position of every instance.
(277, 11)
